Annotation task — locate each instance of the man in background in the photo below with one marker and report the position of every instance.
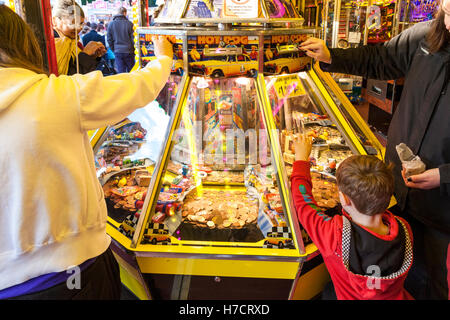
(93, 35)
(121, 41)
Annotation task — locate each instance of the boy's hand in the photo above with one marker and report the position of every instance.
(101, 51)
(302, 147)
(317, 49)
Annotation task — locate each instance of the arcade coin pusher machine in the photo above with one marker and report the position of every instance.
(197, 183)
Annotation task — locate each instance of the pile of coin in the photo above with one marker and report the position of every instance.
(174, 166)
(324, 191)
(219, 209)
(127, 200)
(225, 176)
(338, 155)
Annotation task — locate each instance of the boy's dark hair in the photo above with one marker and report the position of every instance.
(367, 181)
(100, 27)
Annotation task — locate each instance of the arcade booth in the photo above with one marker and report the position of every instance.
(353, 23)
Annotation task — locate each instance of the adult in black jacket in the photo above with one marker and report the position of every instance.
(120, 37)
(421, 55)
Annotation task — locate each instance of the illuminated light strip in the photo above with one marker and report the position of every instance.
(193, 150)
(135, 26)
(12, 5)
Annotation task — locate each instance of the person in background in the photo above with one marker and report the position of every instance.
(71, 56)
(420, 54)
(109, 57)
(101, 30)
(103, 65)
(84, 31)
(53, 215)
(367, 250)
(121, 40)
(93, 35)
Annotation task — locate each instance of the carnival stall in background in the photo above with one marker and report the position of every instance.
(352, 23)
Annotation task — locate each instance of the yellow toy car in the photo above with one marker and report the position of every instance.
(230, 65)
(127, 228)
(274, 239)
(289, 62)
(157, 236)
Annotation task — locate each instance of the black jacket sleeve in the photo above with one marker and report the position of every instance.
(131, 33)
(444, 173)
(387, 61)
(110, 37)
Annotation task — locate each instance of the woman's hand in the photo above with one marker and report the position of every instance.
(302, 147)
(101, 51)
(94, 49)
(317, 49)
(429, 179)
(163, 47)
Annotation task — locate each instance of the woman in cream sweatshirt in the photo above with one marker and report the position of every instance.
(52, 210)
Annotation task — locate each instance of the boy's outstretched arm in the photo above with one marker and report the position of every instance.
(319, 226)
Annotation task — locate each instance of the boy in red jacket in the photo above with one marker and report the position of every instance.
(367, 250)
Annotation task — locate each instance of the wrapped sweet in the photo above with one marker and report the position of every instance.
(411, 163)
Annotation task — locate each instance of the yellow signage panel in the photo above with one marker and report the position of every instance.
(289, 86)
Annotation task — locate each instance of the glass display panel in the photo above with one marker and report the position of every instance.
(296, 110)
(220, 183)
(127, 154)
(357, 132)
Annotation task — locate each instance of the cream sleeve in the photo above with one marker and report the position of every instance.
(107, 100)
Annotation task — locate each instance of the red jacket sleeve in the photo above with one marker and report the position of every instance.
(320, 227)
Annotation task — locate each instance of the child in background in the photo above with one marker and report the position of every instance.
(367, 250)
